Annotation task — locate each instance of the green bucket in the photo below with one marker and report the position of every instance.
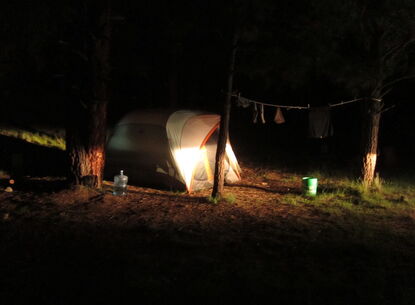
(310, 186)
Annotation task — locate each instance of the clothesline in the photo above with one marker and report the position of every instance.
(246, 100)
(319, 117)
(347, 102)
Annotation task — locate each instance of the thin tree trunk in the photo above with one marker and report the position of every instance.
(370, 142)
(219, 178)
(86, 134)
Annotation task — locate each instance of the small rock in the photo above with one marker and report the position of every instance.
(8, 189)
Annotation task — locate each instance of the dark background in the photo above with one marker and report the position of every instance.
(175, 54)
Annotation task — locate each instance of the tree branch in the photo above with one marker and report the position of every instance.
(386, 92)
(386, 109)
(397, 81)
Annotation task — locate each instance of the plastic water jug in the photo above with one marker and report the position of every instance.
(120, 184)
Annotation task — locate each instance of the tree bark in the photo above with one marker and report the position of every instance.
(219, 178)
(86, 133)
(370, 142)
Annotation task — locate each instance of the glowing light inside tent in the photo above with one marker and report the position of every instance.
(207, 164)
(187, 159)
(229, 151)
(232, 158)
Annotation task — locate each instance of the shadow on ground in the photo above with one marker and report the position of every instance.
(86, 264)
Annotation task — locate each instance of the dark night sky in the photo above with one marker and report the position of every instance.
(175, 53)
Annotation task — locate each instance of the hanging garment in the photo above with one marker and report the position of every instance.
(261, 113)
(243, 102)
(255, 114)
(320, 122)
(279, 118)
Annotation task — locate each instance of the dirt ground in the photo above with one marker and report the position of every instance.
(83, 246)
(255, 196)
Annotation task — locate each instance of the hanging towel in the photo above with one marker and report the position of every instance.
(255, 114)
(320, 122)
(261, 113)
(279, 118)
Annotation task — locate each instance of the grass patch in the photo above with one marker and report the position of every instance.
(348, 198)
(4, 175)
(212, 199)
(34, 137)
(228, 198)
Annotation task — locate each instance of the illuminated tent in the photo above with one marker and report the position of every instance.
(171, 149)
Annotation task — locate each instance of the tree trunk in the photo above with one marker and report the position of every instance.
(86, 133)
(370, 142)
(219, 178)
(86, 147)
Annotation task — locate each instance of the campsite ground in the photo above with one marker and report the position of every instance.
(265, 240)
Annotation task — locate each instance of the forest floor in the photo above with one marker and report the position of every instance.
(265, 243)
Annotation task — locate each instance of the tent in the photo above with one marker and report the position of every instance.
(173, 149)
